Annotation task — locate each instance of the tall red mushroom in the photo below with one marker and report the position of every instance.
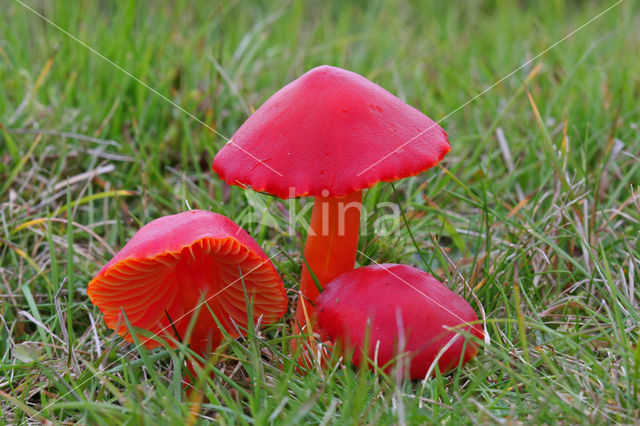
(330, 134)
(398, 310)
(179, 265)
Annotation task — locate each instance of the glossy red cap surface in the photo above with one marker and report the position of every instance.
(331, 129)
(174, 263)
(394, 303)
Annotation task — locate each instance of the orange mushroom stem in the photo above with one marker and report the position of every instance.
(330, 250)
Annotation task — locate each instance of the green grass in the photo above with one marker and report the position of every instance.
(549, 241)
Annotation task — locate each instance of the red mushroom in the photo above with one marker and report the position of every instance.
(164, 275)
(398, 309)
(330, 134)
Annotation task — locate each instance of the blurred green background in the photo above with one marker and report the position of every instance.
(535, 208)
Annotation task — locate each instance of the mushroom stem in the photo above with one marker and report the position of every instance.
(330, 250)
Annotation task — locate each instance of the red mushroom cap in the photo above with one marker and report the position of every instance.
(174, 263)
(391, 302)
(331, 129)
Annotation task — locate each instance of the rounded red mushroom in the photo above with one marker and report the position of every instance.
(330, 134)
(191, 263)
(397, 309)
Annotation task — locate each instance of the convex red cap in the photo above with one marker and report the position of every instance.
(395, 302)
(331, 129)
(174, 263)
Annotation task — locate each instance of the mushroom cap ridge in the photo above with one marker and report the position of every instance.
(330, 129)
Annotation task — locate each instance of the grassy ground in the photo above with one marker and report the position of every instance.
(536, 208)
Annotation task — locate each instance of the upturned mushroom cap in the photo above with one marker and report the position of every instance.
(393, 303)
(174, 263)
(331, 129)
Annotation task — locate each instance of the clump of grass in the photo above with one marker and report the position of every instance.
(533, 217)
